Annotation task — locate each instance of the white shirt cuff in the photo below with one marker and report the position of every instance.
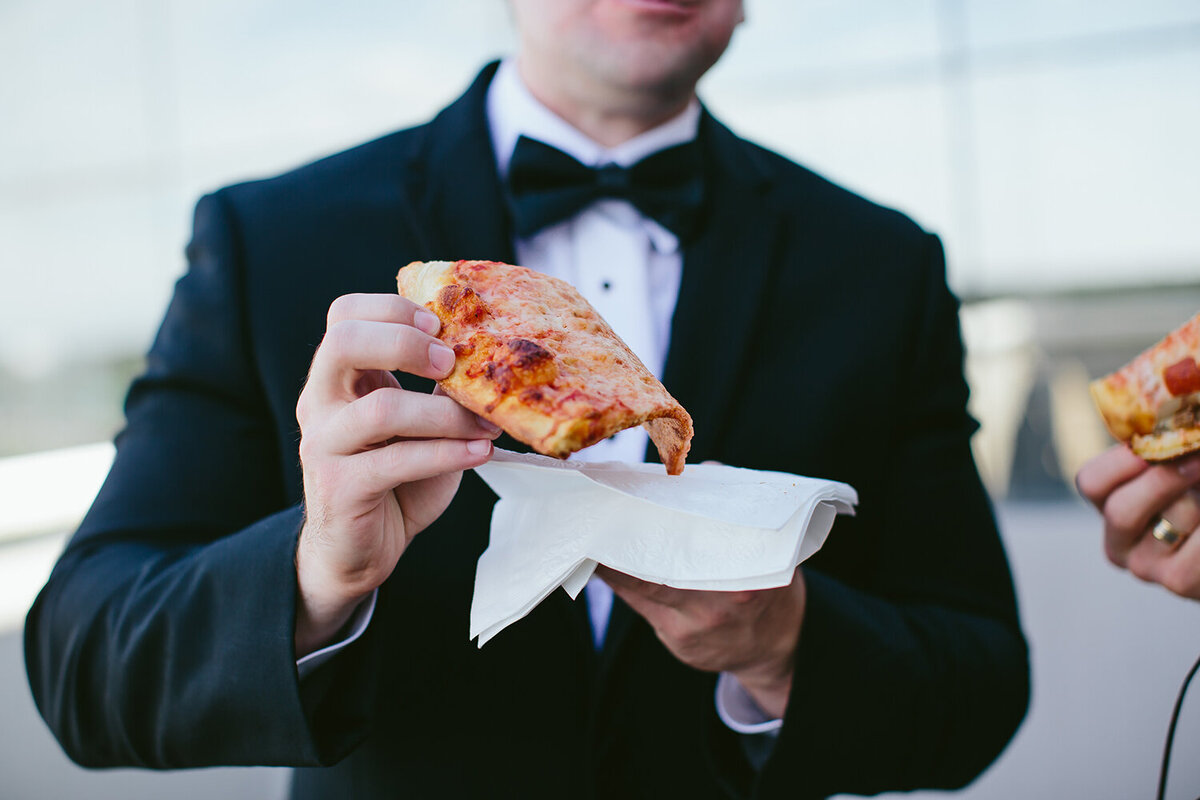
(739, 712)
(356, 625)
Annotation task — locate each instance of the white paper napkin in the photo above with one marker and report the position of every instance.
(713, 527)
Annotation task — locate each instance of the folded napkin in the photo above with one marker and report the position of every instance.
(715, 527)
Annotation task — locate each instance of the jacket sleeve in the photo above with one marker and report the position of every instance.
(164, 636)
(917, 676)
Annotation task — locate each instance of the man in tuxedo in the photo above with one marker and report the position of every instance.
(243, 592)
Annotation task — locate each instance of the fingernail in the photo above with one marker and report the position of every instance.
(1189, 470)
(479, 447)
(427, 321)
(487, 425)
(441, 357)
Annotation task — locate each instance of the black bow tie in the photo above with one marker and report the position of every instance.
(547, 186)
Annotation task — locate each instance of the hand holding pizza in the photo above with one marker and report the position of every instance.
(1146, 487)
(1134, 497)
(752, 635)
(380, 463)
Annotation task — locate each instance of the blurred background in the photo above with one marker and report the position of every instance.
(1052, 143)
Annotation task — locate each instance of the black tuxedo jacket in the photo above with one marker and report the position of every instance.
(814, 333)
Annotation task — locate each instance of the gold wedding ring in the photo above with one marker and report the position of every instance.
(1167, 533)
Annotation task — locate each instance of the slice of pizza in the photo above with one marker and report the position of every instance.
(1153, 402)
(535, 358)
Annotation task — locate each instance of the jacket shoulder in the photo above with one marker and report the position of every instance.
(803, 192)
(333, 180)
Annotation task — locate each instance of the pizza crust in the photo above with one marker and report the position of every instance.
(535, 358)
(1165, 446)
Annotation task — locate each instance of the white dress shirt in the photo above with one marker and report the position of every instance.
(626, 265)
(629, 268)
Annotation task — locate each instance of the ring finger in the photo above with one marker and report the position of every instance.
(1152, 558)
(1130, 510)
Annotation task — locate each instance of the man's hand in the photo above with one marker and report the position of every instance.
(380, 463)
(752, 635)
(1133, 496)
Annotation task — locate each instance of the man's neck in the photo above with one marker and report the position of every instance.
(606, 117)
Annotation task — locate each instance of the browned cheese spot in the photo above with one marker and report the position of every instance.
(462, 304)
(528, 355)
(520, 363)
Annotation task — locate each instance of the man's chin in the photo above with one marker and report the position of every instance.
(663, 70)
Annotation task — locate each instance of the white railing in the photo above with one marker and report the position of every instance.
(43, 496)
(49, 492)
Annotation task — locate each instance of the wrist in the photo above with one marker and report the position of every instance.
(768, 680)
(323, 605)
(317, 627)
(769, 685)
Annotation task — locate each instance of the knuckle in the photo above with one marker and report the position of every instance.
(333, 470)
(681, 630)
(353, 306)
(337, 340)
(380, 466)
(449, 414)
(1088, 486)
(1180, 578)
(376, 410)
(406, 339)
(313, 456)
(1140, 566)
(1123, 517)
(433, 414)
(1115, 555)
(306, 449)
(688, 639)
(340, 309)
(393, 457)
(670, 630)
(303, 408)
(319, 483)
(711, 618)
